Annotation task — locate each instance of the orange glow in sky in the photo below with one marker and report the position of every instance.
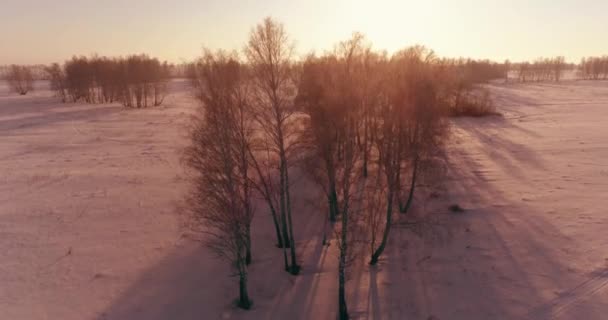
(51, 31)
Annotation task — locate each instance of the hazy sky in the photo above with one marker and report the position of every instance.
(53, 30)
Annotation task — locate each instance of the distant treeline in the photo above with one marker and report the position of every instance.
(135, 81)
(39, 71)
(476, 71)
(542, 69)
(594, 68)
(552, 69)
(141, 81)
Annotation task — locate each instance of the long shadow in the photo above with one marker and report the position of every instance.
(50, 117)
(503, 95)
(299, 296)
(179, 287)
(493, 136)
(500, 261)
(460, 280)
(504, 123)
(524, 239)
(189, 283)
(374, 308)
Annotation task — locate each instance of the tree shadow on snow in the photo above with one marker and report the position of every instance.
(501, 260)
(498, 260)
(46, 115)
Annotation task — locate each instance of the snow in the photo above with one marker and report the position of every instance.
(90, 224)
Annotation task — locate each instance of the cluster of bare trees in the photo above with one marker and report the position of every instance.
(135, 81)
(373, 122)
(368, 125)
(20, 79)
(242, 143)
(594, 68)
(543, 69)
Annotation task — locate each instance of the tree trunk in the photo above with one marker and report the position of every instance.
(248, 249)
(282, 183)
(333, 202)
(324, 241)
(365, 151)
(276, 226)
(410, 197)
(266, 193)
(332, 196)
(283, 216)
(295, 268)
(343, 311)
(244, 301)
(285, 235)
(387, 228)
(145, 96)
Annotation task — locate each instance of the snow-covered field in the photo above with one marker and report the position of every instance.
(89, 224)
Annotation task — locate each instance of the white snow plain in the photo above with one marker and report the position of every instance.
(89, 220)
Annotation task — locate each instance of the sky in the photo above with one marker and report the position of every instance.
(35, 32)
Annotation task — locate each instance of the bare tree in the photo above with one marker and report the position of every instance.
(348, 232)
(20, 79)
(559, 64)
(269, 54)
(160, 78)
(264, 183)
(389, 153)
(373, 80)
(220, 200)
(375, 198)
(57, 80)
(79, 79)
(317, 96)
(331, 95)
(411, 126)
(423, 135)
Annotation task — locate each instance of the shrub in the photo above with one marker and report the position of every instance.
(20, 79)
(475, 104)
